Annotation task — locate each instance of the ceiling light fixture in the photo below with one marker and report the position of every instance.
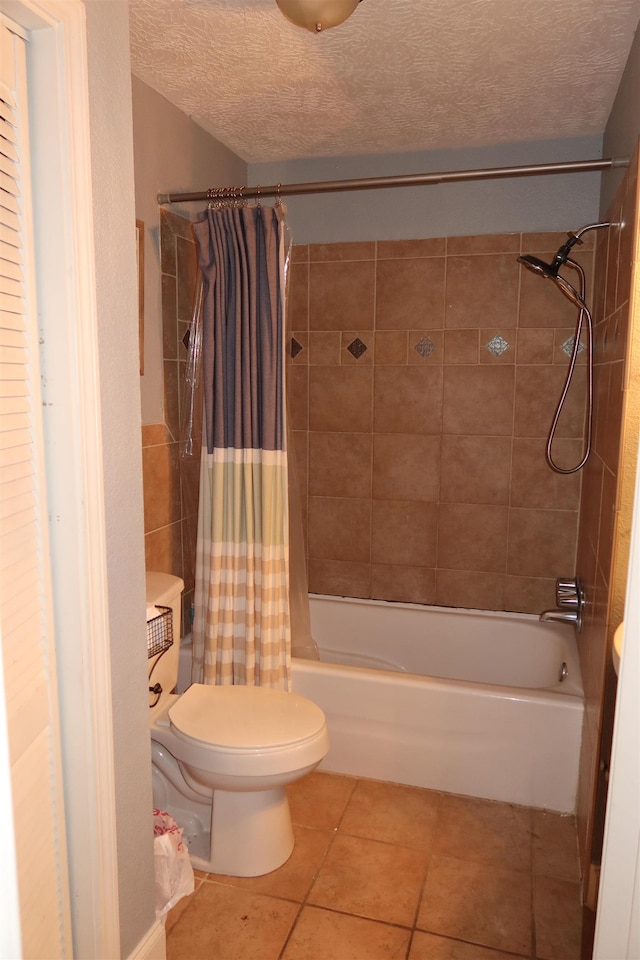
(317, 15)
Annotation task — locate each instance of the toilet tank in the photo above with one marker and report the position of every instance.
(165, 590)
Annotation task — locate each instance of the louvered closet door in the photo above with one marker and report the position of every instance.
(26, 626)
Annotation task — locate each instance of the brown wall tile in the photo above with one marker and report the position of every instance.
(340, 578)
(540, 541)
(339, 529)
(403, 584)
(467, 410)
(336, 252)
(469, 588)
(430, 247)
(534, 483)
(529, 594)
(538, 390)
(541, 303)
(497, 345)
(478, 400)
(340, 399)
(406, 467)
(341, 296)
(483, 287)
(357, 346)
(391, 347)
(298, 297)
(475, 470)
(404, 533)
(425, 346)
(484, 243)
(535, 346)
(298, 397)
(324, 348)
(410, 294)
(161, 479)
(340, 464)
(407, 400)
(163, 549)
(472, 537)
(461, 346)
(186, 277)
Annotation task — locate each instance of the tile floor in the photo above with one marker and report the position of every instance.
(382, 871)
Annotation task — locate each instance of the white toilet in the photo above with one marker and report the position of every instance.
(222, 756)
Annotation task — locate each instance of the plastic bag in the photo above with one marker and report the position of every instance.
(173, 870)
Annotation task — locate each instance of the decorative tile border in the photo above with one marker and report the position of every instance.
(356, 348)
(425, 347)
(497, 346)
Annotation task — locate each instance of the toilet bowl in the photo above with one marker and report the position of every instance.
(222, 757)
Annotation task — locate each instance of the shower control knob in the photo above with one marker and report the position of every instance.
(566, 589)
(568, 593)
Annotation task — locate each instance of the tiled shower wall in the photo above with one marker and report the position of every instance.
(170, 481)
(422, 381)
(607, 495)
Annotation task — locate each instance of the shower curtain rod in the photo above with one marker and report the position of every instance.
(404, 180)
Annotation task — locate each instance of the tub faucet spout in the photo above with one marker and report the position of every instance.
(571, 601)
(560, 616)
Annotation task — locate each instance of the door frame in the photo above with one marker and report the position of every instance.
(68, 331)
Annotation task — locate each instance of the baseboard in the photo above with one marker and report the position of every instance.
(153, 945)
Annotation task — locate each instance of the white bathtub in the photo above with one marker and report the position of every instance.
(463, 701)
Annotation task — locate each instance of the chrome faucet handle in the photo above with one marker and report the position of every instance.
(568, 593)
(571, 602)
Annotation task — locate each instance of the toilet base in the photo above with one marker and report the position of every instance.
(251, 833)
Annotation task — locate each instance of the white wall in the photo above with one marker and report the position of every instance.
(172, 154)
(557, 202)
(114, 230)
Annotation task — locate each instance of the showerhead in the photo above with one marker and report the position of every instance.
(536, 265)
(551, 271)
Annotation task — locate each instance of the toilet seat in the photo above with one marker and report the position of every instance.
(245, 718)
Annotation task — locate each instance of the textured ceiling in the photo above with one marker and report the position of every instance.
(398, 76)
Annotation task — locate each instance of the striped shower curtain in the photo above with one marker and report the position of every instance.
(241, 628)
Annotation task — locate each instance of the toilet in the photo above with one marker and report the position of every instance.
(223, 755)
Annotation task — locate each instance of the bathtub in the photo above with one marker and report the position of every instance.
(465, 701)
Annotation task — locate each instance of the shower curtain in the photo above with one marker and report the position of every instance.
(241, 629)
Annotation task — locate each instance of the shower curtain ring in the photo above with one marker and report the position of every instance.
(278, 197)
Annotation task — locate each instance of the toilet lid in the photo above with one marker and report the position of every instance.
(245, 717)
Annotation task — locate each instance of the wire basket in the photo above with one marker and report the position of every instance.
(160, 632)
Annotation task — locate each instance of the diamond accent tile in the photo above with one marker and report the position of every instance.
(567, 346)
(356, 348)
(497, 346)
(187, 339)
(425, 347)
(294, 348)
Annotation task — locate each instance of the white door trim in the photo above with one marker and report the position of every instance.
(618, 915)
(64, 246)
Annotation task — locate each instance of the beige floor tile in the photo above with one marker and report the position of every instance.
(426, 946)
(322, 935)
(225, 923)
(558, 919)
(478, 902)
(176, 912)
(371, 879)
(484, 831)
(555, 846)
(319, 799)
(293, 879)
(392, 813)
